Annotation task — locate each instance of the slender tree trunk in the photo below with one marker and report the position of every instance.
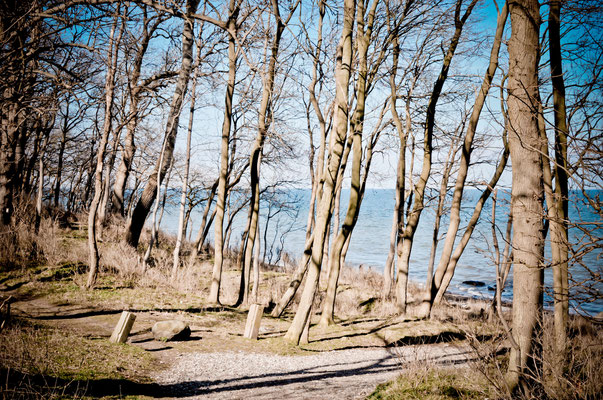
(363, 40)
(200, 235)
(527, 192)
(135, 92)
(40, 193)
(440, 208)
(221, 201)
(155, 222)
(434, 284)
(57, 182)
(181, 227)
(103, 207)
(145, 202)
(404, 250)
(458, 251)
(265, 119)
(335, 151)
(100, 156)
(558, 224)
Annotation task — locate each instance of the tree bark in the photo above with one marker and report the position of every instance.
(558, 222)
(527, 192)
(363, 40)
(181, 228)
(100, 156)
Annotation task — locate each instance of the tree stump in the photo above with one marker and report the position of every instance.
(123, 327)
(254, 318)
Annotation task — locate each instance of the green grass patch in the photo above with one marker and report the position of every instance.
(433, 384)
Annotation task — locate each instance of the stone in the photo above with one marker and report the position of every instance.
(171, 331)
(474, 283)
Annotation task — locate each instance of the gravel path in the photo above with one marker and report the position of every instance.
(344, 374)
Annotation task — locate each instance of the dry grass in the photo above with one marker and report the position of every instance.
(423, 380)
(42, 362)
(53, 264)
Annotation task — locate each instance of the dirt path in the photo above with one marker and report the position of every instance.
(342, 374)
(217, 363)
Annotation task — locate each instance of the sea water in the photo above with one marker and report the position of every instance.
(475, 274)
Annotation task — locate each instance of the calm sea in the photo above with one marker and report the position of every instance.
(370, 241)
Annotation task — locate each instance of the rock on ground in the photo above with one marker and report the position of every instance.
(171, 330)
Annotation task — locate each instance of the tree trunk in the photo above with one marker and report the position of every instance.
(141, 211)
(135, 92)
(100, 156)
(357, 123)
(406, 240)
(57, 182)
(434, 284)
(181, 219)
(221, 201)
(559, 224)
(526, 194)
(335, 151)
(200, 235)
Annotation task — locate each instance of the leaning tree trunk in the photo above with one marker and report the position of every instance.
(434, 284)
(335, 152)
(181, 219)
(135, 93)
(315, 172)
(526, 193)
(141, 211)
(357, 123)
(265, 118)
(406, 240)
(202, 228)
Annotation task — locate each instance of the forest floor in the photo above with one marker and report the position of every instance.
(56, 342)
(345, 361)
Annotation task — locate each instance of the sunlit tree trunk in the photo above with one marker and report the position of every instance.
(527, 192)
(221, 200)
(364, 32)
(265, 119)
(181, 228)
(406, 239)
(434, 284)
(335, 152)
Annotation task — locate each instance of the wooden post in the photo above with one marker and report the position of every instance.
(254, 318)
(123, 327)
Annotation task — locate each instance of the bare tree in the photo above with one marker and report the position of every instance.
(434, 285)
(343, 73)
(148, 195)
(405, 240)
(112, 55)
